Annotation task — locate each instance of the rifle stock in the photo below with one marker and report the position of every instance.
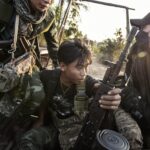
(99, 118)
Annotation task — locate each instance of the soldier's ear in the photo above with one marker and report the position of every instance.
(62, 66)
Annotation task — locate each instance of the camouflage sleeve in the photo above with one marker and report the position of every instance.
(52, 43)
(128, 127)
(39, 138)
(33, 97)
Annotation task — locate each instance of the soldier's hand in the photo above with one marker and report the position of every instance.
(111, 100)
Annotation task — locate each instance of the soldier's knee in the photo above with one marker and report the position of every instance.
(39, 139)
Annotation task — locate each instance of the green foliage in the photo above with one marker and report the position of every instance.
(110, 49)
(70, 28)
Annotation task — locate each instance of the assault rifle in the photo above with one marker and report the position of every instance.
(99, 118)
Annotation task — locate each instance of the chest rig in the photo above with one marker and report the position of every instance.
(66, 107)
(69, 126)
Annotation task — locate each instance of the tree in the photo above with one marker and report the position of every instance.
(71, 24)
(110, 48)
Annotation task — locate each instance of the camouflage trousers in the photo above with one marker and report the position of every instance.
(128, 127)
(42, 138)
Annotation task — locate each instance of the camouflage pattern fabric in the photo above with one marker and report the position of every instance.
(20, 105)
(10, 73)
(43, 138)
(8, 78)
(30, 26)
(33, 25)
(69, 129)
(42, 21)
(128, 127)
(22, 8)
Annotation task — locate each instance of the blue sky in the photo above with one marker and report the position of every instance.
(101, 22)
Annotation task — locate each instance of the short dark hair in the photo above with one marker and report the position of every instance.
(70, 50)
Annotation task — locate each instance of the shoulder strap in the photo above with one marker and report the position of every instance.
(50, 80)
(54, 81)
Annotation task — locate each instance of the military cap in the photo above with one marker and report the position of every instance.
(141, 22)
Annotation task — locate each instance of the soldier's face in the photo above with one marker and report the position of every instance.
(41, 5)
(73, 73)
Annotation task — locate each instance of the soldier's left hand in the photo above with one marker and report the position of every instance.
(111, 100)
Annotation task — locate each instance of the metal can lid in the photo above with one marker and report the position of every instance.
(112, 140)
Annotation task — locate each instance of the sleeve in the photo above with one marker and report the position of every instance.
(52, 43)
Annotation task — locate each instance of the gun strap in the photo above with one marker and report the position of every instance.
(14, 44)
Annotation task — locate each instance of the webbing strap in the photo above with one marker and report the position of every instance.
(14, 44)
(16, 32)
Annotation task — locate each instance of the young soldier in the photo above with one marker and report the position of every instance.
(136, 98)
(64, 111)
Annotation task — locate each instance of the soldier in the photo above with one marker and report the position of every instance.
(64, 112)
(21, 91)
(35, 17)
(136, 96)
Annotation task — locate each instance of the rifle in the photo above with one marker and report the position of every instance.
(87, 136)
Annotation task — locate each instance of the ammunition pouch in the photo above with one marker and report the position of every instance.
(111, 140)
(62, 107)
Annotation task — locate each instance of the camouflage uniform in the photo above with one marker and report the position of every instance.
(19, 106)
(45, 138)
(21, 91)
(61, 112)
(30, 26)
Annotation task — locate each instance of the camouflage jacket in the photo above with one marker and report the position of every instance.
(19, 107)
(31, 31)
(61, 110)
(61, 106)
